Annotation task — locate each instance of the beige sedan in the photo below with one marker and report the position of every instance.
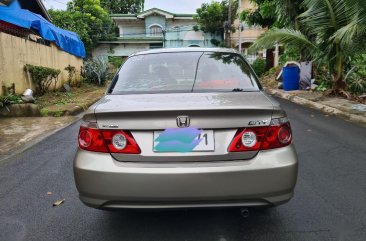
(182, 128)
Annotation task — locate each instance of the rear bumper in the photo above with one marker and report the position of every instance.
(267, 179)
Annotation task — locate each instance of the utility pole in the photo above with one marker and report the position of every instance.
(229, 24)
(241, 28)
(230, 5)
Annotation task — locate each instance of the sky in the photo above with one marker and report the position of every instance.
(174, 6)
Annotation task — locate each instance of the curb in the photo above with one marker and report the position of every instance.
(314, 105)
(80, 109)
(77, 111)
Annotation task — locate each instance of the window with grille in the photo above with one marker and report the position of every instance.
(156, 31)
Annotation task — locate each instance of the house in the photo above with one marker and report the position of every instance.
(153, 28)
(28, 37)
(246, 35)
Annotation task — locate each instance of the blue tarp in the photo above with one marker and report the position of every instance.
(66, 40)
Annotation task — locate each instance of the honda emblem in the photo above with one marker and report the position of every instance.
(183, 121)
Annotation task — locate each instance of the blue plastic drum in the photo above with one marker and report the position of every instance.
(291, 77)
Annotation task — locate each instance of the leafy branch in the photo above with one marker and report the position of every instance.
(43, 77)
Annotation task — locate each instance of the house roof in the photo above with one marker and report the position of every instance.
(152, 11)
(187, 49)
(155, 11)
(35, 6)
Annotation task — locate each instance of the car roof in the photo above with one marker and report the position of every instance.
(188, 49)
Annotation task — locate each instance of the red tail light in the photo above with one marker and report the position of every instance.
(278, 134)
(107, 141)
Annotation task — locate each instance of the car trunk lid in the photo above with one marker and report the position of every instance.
(160, 111)
(223, 113)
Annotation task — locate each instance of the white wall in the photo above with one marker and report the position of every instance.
(135, 28)
(119, 49)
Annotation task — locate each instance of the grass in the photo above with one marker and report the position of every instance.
(63, 103)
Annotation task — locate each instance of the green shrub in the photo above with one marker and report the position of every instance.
(259, 65)
(44, 112)
(215, 42)
(96, 70)
(71, 71)
(323, 86)
(42, 77)
(290, 54)
(357, 86)
(356, 77)
(116, 61)
(7, 100)
(272, 71)
(57, 114)
(322, 77)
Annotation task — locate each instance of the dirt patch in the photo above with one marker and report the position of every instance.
(58, 104)
(269, 81)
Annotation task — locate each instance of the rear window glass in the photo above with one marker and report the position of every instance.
(184, 72)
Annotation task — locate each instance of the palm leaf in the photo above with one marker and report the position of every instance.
(286, 36)
(351, 37)
(324, 16)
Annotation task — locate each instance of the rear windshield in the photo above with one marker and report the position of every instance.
(184, 72)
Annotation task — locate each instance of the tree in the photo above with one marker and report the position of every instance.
(330, 31)
(269, 13)
(263, 15)
(123, 6)
(88, 19)
(211, 17)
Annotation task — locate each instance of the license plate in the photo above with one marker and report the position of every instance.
(206, 144)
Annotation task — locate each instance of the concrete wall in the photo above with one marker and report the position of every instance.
(246, 4)
(185, 36)
(121, 50)
(15, 52)
(132, 28)
(188, 43)
(180, 23)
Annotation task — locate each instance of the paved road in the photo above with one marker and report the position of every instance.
(330, 201)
